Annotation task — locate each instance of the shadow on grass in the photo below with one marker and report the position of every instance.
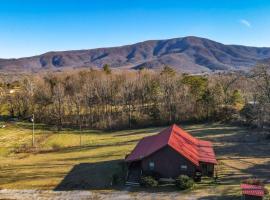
(211, 131)
(252, 150)
(53, 128)
(261, 171)
(150, 131)
(85, 147)
(75, 129)
(43, 127)
(87, 176)
(99, 176)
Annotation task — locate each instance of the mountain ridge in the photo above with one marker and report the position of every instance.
(187, 54)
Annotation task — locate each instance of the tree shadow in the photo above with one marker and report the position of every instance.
(88, 176)
(148, 131)
(73, 149)
(38, 126)
(261, 171)
(214, 131)
(248, 150)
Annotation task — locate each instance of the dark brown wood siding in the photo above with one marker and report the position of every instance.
(168, 163)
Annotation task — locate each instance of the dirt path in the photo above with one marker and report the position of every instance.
(111, 195)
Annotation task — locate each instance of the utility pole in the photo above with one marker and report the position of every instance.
(80, 129)
(33, 130)
(80, 135)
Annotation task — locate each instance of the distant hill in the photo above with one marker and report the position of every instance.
(188, 54)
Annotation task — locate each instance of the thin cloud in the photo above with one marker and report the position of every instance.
(245, 23)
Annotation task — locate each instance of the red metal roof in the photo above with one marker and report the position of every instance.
(252, 190)
(191, 148)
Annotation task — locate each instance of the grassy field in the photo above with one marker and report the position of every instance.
(58, 162)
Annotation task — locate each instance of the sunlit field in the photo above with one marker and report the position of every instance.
(90, 158)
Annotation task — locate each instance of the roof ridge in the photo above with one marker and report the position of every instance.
(187, 145)
(193, 154)
(172, 128)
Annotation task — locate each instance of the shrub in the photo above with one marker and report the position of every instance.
(184, 182)
(267, 197)
(227, 114)
(153, 174)
(249, 113)
(266, 192)
(148, 181)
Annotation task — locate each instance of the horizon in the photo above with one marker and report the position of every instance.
(31, 28)
(51, 51)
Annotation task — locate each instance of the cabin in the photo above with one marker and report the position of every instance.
(252, 192)
(171, 153)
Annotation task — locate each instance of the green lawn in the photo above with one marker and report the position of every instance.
(15, 135)
(60, 162)
(57, 153)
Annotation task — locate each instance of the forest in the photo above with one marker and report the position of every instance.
(117, 99)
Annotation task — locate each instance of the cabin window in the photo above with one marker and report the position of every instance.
(183, 167)
(151, 165)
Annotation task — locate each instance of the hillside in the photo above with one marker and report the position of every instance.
(188, 54)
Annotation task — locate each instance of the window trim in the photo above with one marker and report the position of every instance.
(151, 165)
(184, 167)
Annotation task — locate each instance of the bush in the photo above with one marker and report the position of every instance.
(148, 181)
(153, 174)
(184, 182)
(249, 113)
(266, 192)
(267, 197)
(227, 114)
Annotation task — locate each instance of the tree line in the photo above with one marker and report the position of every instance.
(108, 99)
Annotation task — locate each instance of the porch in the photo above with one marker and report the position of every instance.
(134, 173)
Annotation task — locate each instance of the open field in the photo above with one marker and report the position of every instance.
(59, 163)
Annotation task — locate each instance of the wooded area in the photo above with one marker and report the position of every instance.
(108, 99)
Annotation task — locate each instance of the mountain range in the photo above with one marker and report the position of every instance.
(187, 54)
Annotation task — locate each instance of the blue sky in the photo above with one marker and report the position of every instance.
(31, 27)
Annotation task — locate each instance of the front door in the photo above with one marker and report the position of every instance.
(134, 172)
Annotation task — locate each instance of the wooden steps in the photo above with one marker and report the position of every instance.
(133, 184)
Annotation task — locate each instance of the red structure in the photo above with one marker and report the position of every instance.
(252, 192)
(172, 152)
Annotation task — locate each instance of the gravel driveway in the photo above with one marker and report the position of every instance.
(87, 195)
